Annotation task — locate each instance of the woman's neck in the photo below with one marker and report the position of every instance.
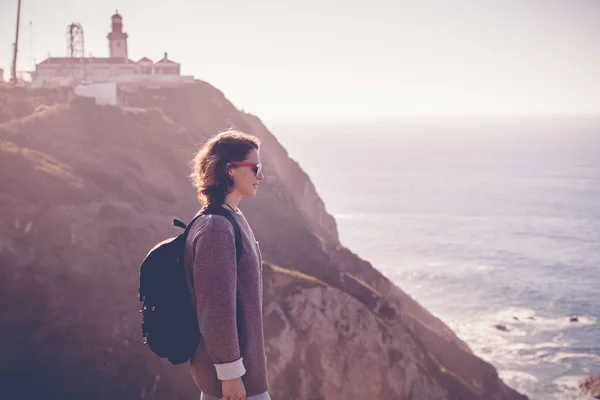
(232, 200)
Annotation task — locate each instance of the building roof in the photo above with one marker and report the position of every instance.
(145, 60)
(87, 60)
(165, 60)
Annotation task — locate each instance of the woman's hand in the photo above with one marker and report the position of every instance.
(233, 389)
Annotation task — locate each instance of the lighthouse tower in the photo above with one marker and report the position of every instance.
(117, 39)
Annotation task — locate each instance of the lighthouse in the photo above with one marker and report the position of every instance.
(117, 39)
(118, 68)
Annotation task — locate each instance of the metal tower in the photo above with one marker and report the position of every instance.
(75, 48)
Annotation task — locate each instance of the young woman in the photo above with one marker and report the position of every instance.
(230, 361)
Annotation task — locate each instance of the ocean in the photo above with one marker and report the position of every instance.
(483, 221)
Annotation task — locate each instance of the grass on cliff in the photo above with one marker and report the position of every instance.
(295, 274)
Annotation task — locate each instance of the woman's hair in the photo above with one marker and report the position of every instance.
(209, 166)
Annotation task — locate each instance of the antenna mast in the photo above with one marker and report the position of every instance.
(13, 72)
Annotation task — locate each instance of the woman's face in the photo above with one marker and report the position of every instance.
(244, 177)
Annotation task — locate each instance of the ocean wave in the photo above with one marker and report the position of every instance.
(437, 269)
(485, 268)
(568, 387)
(513, 344)
(523, 382)
(562, 388)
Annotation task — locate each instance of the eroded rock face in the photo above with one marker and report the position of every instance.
(87, 190)
(325, 345)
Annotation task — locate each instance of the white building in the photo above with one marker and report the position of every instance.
(102, 93)
(71, 71)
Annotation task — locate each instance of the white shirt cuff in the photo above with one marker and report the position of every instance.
(230, 370)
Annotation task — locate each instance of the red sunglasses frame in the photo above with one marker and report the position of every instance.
(248, 164)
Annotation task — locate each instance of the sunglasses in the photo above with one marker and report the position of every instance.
(257, 168)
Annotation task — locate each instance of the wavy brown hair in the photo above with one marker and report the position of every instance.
(209, 166)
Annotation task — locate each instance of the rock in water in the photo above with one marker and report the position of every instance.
(590, 386)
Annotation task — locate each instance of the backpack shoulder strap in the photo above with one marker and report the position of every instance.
(217, 210)
(238, 235)
(186, 228)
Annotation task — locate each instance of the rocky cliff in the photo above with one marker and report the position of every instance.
(88, 189)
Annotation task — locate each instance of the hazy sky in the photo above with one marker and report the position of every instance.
(344, 60)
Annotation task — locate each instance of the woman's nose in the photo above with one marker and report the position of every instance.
(261, 176)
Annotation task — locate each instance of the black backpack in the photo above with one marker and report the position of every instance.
(169, 323)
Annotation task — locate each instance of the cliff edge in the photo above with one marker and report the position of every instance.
(88, 189)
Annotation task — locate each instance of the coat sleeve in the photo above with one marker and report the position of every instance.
(215, 286)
